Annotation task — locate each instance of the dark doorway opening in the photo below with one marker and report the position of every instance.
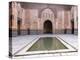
(47, 27)
(19, 25)
(72, 26)
(65, 31)
(28, 31)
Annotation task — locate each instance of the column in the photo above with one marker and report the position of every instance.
(62, 21)
(75, 21)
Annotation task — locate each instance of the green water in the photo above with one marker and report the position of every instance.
(47, 43)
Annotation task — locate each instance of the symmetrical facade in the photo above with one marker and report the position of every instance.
(39, 18)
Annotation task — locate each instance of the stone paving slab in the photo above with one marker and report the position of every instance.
(21, 41)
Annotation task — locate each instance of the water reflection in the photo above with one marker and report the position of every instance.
(47, 43)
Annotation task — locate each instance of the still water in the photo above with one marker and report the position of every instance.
(47, 43)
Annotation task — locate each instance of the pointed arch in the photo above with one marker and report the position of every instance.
(47, 26)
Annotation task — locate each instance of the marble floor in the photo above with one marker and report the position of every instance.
(20, 41)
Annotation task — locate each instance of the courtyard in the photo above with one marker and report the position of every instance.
(20, 42)
(42, 29)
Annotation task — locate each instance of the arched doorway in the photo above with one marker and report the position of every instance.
(47, 26)
(19, 26)
(72, 26)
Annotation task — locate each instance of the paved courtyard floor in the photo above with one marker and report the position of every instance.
(20, 41)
